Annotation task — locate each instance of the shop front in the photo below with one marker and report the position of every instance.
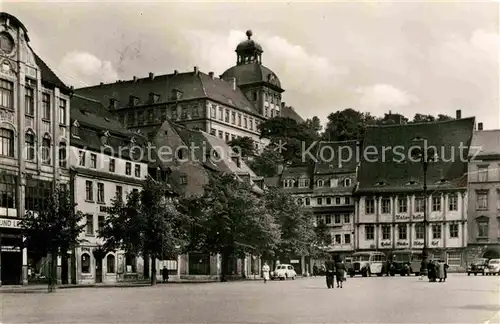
(13, 259)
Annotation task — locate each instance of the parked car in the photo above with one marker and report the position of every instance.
(493, 267)
(479, 265)
(349, 267)
(283, 272)
(405, 262)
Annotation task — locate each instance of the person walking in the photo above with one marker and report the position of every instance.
(315, 270)
(339, 272)
(164, 274)
(330, 273)
(265, 272)
(441, 271)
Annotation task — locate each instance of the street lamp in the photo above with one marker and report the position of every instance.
(425, 156)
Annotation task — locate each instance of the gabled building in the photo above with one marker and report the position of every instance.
(34, 131)
(484, 195)
(390, 201)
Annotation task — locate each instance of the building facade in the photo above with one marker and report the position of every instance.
(34, 130)
(484, 195)
(390, 198)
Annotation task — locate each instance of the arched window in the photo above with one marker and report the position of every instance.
(110, 263)
(29, 140)
(62, 155)
(6, 142)
(85, 263)
(46, 150)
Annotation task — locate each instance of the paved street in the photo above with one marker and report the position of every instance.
(362, 300)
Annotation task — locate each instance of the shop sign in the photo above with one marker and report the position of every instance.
(10, 223)
(104, 209)
(386, 243)
(402, 243)
(11, 249)
(435, 243)
(418, 217)
(402, 217)
(418, 243)
(294, 261)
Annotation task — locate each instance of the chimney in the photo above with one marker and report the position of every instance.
(135, 79)
(282, 105)
(459, 114)
(233, 83)
(113, 103)
(151, 75)
(211, 75)
(480, 126)
(176, 72)
(195, 70)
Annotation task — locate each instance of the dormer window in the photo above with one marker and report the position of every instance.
(236, 160)
(104, 137)
(334, 183)
(176, 94)
(288, 183)
(75, 129)
(381, 183)
(320, 183)
(113, 103)
(303, 183)
(153, 97)
(347, 182)
(133, 101)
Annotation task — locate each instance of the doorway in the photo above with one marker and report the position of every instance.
(11, 268)
(98, 270)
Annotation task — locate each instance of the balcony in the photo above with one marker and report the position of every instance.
(46, 127)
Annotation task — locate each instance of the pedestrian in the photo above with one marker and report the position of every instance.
(339, 272)
(440, 270)
(431, 271)
(446, 266)
(330, 273)
(315, 270)
(164, 274)
(265, 272)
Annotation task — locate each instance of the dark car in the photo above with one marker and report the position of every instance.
(478, 266)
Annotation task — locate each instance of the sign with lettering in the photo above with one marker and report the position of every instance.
(11, 249)
(418, 217)
(418, 243)
(385, 243)
(434, 243)
(10, 223)
(402, 217)
(402, 243)
(294, 261)
(104, 209)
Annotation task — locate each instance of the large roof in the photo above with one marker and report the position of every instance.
(191, 85)
(486, 143)
(48, 75)
(252, 73)
(385, 172)
(336, 157)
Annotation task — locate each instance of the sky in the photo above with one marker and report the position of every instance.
(404, 57)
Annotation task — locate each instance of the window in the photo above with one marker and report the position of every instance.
(110, 263)
(369, 206)
(347, 200)
(245, 122)
(338, 239)
(402, 205)
(119, 192)
(498, 198)
(8, 192)
(482, 173)
(81, 158)
(482, 228)
(62, 155)
(436, 204)
(300, 202)
(29, 140)
(452, 202)
(100, 192)
(89, 224)
(347, 218)
(7, 94)
(338, 201)
(319, 219)
(454, 259)
(38, 193)
(183, 180)
(328, 200)
(93, 160)
(369, 232)
(233, 118)
(128, 168)
(111, 165)
(338, 219)
(213, 112)
(251, 123)
(213, 131)
(46, 150)
(402, 231)
(29, 101)
(419, 205)
(386, 205)
(89, 191)
(221, 134)
(319, 183)
(100, 223)
(227, 137)
(334, 183)
(6, 142)
(62, 112)
(419, 231)
(288, 183)
(303, 183)
(454, 230)
(308, 201)
(46, 106)
(319, 201)
(137, 170)
(482, 200)
(328, 219)
(85, 263)
(347, 238)
(347, 182)
(386, 232)
(436, 231)
(227, 116)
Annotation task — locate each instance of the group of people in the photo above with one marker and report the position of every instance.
(335, 270)
(437, 269)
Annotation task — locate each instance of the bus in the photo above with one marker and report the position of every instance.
(368, 263)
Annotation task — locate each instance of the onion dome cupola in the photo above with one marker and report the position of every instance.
(249, 51)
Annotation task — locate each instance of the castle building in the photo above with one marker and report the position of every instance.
(34, 131)
(484, 195)
(228, 107)
(390, 202)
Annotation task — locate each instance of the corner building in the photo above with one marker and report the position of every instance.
(34, 131)
(390, 200)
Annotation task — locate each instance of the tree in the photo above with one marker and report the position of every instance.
(392, 119)
(231, 221)
(444, 117)
(295, 223)
(148, 224)
(243, 145)
(265, 164)
(54, 230)
(348, 124)
(322, 237)
(314, 126)
(420, 118)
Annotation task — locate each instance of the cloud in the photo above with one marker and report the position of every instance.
(82, 68)
(379, 97)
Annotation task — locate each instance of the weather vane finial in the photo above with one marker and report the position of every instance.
(249, 33)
